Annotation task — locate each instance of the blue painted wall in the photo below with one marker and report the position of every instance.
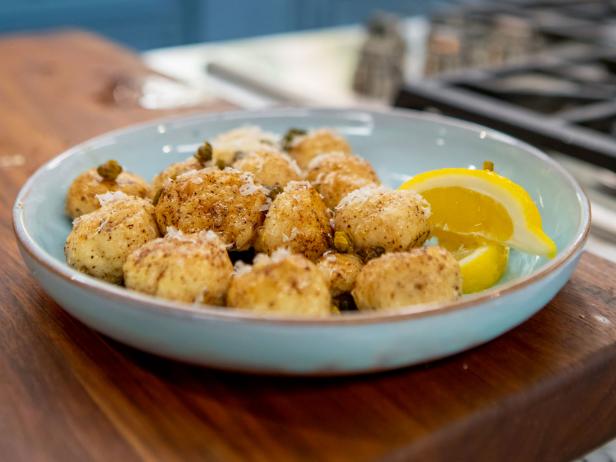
(144, 24)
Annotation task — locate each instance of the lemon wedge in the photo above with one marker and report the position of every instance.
(483, 267)
(483, 204)
(482, 263)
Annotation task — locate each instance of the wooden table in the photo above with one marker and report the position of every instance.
(545, 391)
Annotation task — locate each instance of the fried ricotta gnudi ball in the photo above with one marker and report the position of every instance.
(340, 271)
(270, 168)
(108, 177)
(305, 147)
(172, 172)
(229, 146)
(225, 201)
(101, 241)
(336, 174)
(201, 159)
(375, 220)
(184, 267)
(400, 279)
(281, 284)
(297, 220)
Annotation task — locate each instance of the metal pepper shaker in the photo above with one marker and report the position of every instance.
(380, 69)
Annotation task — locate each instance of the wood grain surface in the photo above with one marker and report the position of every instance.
(545, 391)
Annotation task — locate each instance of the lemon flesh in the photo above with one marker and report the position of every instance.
(482, 263)
(483, 267)
(483, 204)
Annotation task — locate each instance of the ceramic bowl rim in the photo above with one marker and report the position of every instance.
(205, 312)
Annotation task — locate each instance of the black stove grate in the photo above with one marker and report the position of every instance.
(562, 97)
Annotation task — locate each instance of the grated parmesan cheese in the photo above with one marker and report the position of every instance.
(123, 180)
(200, 298)
(246, 139)
(298, 139)
(297, 185)
(174, 233)
(292, 162)
(241, 267)
(188, 174)
(110, 197)
(101, 226)
(256, 159)
(266, 206)
(316, 162)
(280, 254)
(212, 237)
(250, 187)
(201, 236)
(425, 206)
(362, 194)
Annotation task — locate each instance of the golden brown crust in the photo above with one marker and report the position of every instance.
(225, 201)
(378, 220)
(81, 195)
(172, 171)
(228, 146)
(340, 271)
(397, 280)
(336, 174)
(306, 147)
(188, 268)
(283, 284)
(297, 220)
(101, 241)
(270, 168)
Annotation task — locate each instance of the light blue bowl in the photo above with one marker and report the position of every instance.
(399, 144)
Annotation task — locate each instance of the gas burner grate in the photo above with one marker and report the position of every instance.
(560, 94)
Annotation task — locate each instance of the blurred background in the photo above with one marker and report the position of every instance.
(146, 24)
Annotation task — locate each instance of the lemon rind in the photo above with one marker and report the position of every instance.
(527, 235)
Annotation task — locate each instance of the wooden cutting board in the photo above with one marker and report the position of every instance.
(545, 391)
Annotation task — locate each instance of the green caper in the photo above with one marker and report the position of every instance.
(287, 139)
(342, 243)
(110, 170)
(204, 153)
(488, 165)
